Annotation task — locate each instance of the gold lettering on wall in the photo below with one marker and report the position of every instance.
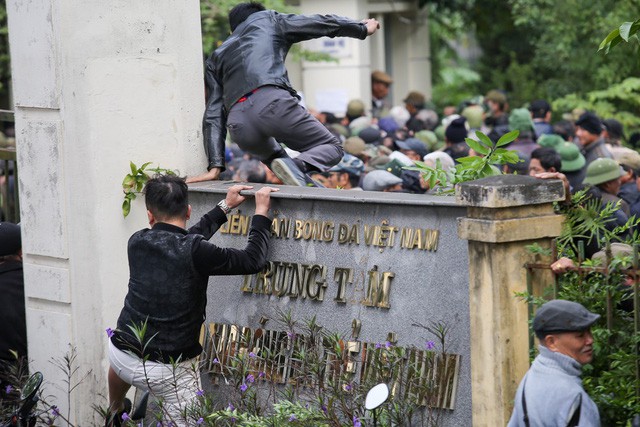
(377, 291)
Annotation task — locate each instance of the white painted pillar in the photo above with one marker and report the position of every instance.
(96, 84)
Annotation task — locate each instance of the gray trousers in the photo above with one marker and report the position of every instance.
(272, 115)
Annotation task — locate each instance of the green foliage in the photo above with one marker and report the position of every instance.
(472, 167)
(627, 31)
(620, 101)
(134, 182)
(610, 379)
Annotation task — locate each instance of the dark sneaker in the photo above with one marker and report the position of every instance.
(289, 173)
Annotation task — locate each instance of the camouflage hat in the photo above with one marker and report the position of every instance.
(349, 164)
(550, 141)
(571, 157)
(520, 119)
(602, 170)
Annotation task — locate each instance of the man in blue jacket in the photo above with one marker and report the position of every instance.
(250, 95)
(551, 392)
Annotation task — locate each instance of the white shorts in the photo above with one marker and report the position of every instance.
(175, 385)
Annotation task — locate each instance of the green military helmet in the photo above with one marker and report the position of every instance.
(429, 138)
(474, 115)
(550, 140)
(602, 170)
(571, 157)
(520, 119)
(394, 166)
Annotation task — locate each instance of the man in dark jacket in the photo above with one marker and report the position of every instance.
(169, 270)
(13, 328)
(251, 96)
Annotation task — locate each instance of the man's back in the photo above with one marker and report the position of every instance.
(553, 390)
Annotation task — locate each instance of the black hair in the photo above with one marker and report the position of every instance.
(548, 158)
(242, 11)
(565, 129)
(166, 196)
(251, 171)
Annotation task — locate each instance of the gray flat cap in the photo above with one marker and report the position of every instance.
(563, 316)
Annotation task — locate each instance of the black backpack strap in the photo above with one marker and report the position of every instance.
(576, 408)
(525, 418)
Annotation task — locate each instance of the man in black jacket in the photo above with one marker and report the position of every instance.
(251, 96)
(13, 327)
(169, 269)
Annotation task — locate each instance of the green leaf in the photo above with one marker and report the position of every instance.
(477, 147)
(128, 181)
(508, 138)
(126, 207)
(466, 160)
(607, 40)
(484, 139)
(144, 166)
(134, 168)
(625, 30)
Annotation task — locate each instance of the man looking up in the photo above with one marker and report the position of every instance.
(169, 269)
(551, 392)
(251, 96)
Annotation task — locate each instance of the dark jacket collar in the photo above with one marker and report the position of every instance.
(163, 226)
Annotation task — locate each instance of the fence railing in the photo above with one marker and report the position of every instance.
(9, 200)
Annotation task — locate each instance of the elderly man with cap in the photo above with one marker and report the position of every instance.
(13, 329)
(589, 133)
(381, 180)
(551, 392)
(380, 83)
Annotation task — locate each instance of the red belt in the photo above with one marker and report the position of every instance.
(244, 97)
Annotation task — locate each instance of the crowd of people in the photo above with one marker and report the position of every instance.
(381, 141)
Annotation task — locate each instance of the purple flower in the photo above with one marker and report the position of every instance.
(430, 345)
(378, 345)
(324, 408)
(292, 418)
(252, 355)
(54, 411)
(243, 387)
(215, 360)
(231, 407)
(125, 416)
(8, 389)
(233, 419)
(109, 332)
(356, 422)
(261, 374)
(347, 387)
(200, 420)
(200, 393)
(291, 335)
(159, 424)
(388, 345)
(250, 378)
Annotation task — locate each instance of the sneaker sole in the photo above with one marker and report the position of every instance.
(285, 174)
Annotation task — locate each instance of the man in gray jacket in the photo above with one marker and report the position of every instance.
(551, 392)
(251, 96)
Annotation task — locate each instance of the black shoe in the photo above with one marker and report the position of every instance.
(115, 419)
(289, 173)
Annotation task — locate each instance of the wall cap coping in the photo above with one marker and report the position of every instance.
(503, 191)
(329, 194)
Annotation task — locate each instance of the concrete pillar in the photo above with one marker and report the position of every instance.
(504, 215)
(96, 84)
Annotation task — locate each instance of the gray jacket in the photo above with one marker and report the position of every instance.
(553, 388)
(253, 56)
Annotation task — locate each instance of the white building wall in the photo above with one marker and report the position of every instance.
(96, 85)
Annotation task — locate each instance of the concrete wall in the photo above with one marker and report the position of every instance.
(96, 85)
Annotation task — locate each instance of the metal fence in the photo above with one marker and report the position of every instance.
(9, 200)
(632, 274)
